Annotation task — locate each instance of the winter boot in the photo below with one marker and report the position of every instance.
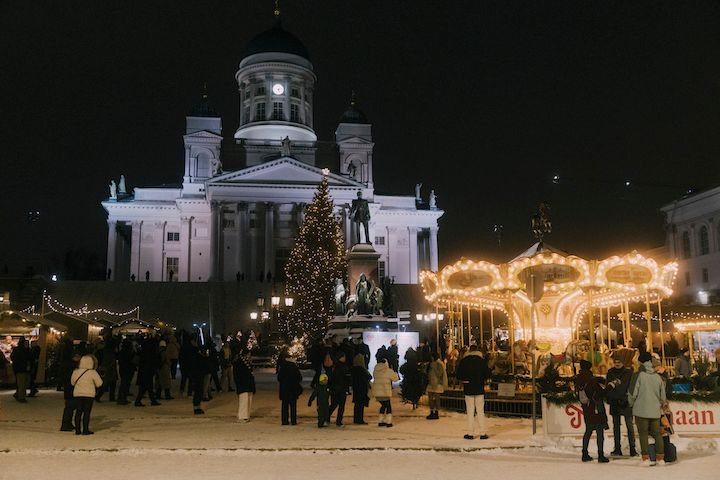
(586, 456)
(660, 460)
(633, 452)
(616, 453)
(381, 420)
(603, 459)
(646, 462)
(388, 420)
(431, 416)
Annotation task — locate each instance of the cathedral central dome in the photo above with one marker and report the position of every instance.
(276, 40)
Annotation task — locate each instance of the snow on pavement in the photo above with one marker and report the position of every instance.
(167, 441)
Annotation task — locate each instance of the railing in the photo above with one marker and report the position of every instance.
(518, 406)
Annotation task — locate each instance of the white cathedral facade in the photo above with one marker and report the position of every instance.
(234, 225)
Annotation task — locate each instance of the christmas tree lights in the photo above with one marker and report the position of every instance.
(316, 260)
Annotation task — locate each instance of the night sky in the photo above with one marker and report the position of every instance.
(483, 101)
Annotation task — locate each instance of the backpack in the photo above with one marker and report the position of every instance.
(582, 397)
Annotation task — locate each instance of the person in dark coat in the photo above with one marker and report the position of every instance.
(21, 363)
(473, 371)
(392, 355)
(34, 367)
(362, 348)
(595, 418)
(321, 393)
(108, 369)
(126, 369)
(67, 386)
(244, 384)
(148, 366)
(340, 381)
(618, 381)
(192, 367)
(186, 358)
(290, 380)
(360, 380)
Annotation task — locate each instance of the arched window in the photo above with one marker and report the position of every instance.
(704, 241)
(686, 244)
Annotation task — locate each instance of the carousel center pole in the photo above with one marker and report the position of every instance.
(602, 334)
(469, 327)
(591, 325)
(437, 331)
(482, 340)
(461, 324)
(492, 329)
(511, 324)
(660, 322)
(648, 316)
(626, 323)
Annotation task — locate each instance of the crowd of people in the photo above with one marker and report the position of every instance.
(340, 371)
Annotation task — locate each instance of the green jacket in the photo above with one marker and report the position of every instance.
(648, 394)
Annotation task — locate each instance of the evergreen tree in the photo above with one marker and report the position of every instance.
(316, 260)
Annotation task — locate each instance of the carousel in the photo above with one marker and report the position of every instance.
(557, 305)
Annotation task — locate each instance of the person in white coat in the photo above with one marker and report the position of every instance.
(383, 376)
(85, 380)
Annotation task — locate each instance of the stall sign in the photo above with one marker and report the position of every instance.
(688, 418)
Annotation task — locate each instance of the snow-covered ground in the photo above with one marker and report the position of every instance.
(168, 441)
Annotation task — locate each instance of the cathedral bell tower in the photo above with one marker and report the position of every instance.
(353, 137)
(202, 139)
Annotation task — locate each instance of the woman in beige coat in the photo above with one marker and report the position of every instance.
(437, 383)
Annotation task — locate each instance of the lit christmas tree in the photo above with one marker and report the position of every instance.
(316, 260)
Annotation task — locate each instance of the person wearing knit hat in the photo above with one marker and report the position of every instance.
(618, 383)
(646, 399)
(321, 393)
(590, 393)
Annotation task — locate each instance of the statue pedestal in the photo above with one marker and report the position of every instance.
(362, 258)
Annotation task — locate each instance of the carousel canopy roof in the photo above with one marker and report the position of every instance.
(609, 282)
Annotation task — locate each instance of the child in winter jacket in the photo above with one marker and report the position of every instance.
(84, 380)
(321, 393)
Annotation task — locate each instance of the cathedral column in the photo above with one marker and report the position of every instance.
(241, 227)
(185, 247)
(347, 224)
(216, 241)
(160, 250)
(413, 260)
(433, 249)
(112, 249)
(135, 250)
(269, 239)
(303, 210)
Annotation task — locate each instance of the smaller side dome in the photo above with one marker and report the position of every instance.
(204, 108)
(353, 114)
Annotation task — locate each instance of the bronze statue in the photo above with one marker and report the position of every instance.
(362, 291)
(360, 214)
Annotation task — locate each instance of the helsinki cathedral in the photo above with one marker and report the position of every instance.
(240, 224)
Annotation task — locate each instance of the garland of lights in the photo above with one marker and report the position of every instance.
(316, 261)
(59, 307)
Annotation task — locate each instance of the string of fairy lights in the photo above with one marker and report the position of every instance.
(57, 306)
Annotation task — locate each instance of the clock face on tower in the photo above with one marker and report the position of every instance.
(278, 89)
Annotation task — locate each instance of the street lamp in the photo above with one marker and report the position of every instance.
(275, 301)
(253, 315)
(289, 301)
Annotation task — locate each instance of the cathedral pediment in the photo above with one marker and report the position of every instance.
(202, 134)
(285, 171)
